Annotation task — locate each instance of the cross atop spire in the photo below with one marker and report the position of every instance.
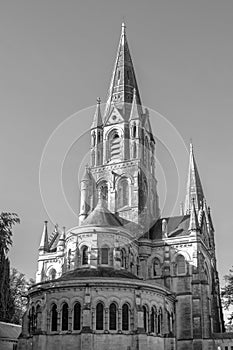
(123, 81)
(194, 187)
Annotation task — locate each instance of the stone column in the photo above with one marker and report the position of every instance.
(119, 327)
(106, 320)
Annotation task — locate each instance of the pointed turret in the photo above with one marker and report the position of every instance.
(123, 81)
(44, 245)
(193, 221)
(194, 187)
(97, 120)
(61, 242)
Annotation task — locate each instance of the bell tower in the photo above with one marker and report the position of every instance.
(123, 150)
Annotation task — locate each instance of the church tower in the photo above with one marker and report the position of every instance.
(126, 278)
(122, 151)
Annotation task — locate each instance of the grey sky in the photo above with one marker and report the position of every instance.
(57, 57)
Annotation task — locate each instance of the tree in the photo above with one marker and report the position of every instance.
(19, 285)
(227, 294)
(7, 221)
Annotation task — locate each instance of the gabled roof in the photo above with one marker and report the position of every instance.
(176, 226)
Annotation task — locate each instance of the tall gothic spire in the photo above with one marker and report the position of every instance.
(123, 81)
(194, 187)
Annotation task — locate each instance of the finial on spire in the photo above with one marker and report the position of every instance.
(191, 144)
(123, 27)
(98, 100)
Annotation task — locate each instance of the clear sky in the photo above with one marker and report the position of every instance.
(57, 56)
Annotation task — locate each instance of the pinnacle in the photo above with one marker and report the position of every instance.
(194, 186)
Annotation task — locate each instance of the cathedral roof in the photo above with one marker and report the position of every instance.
(123, 81)
(176, 226)
(101, 216)
(100, 271)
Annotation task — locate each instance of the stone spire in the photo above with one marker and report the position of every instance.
(194, 187)
(123, 81)
(61, 241)
(193, 221)
(44, 245)
(97, 120)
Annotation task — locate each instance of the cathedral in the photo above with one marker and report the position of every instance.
(126, 278)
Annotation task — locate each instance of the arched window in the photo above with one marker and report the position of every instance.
(64, 317)
(123, 193)
(160, 320)
(156, 267)
(103, 190)
(134, 150)
(172, 322)
(125, 317)
(168, 321)
(134, 130)
(69, 258)
(153, 320)
(123, 258)
(138, 265)
(38, 318)
(99, 316)
(52, 274)
(113, 317)
(115, 146)
(145, 318)
(85, 255)
(32, 319)
(77, 317)
(54, 318)
(104, 255)
(181, 265)
(99, 137)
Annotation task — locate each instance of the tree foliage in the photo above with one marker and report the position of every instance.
(227, 294)
(7, 221)
(19, 285)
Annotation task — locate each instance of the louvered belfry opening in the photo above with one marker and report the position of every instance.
(115, 149)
